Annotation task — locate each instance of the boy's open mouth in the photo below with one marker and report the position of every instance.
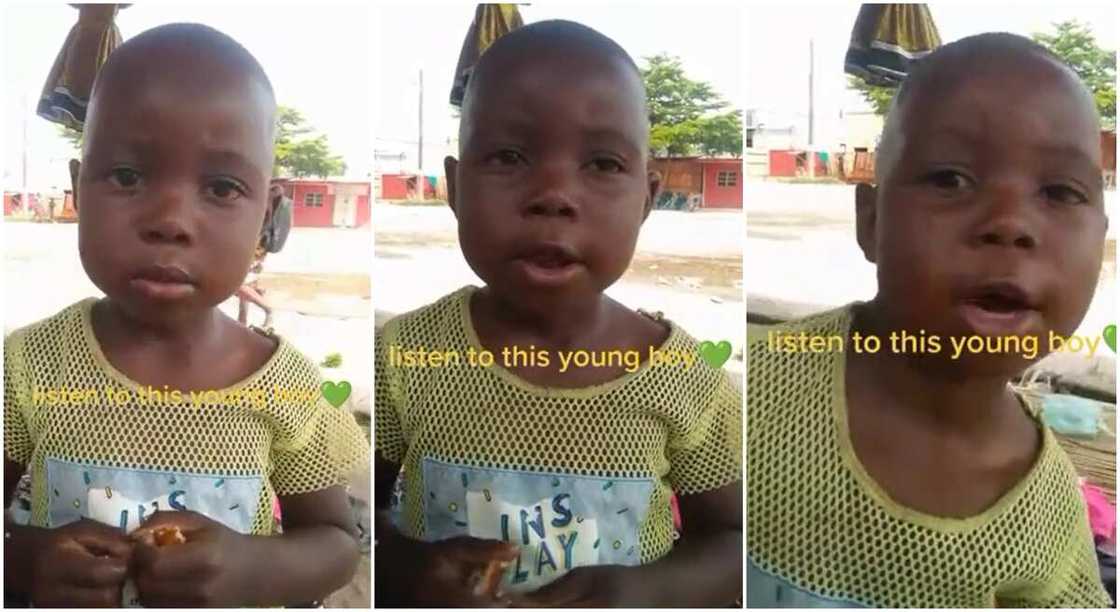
(999, 308)
(548, 264)
(163, 282)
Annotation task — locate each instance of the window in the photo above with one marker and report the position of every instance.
(313, 198)
(727, 178)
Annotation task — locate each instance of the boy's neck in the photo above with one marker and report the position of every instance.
(175, 333)
(944, 398)
(556, 323)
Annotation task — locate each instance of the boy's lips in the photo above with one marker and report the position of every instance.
(999, 308)
(163, 282)
(548, 263)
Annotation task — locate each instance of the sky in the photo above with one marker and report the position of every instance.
(706, 37)
(777, 51)
(318, 58)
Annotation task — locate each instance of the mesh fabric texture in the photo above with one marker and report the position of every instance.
(298, 445)
(817, 520)
(680, 427)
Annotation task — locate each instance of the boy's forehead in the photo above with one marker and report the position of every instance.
(554, 74)
(174, 78)
(1027, 87)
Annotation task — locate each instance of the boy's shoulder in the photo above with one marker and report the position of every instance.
(63, 327)
(826, 323)
(435, 319)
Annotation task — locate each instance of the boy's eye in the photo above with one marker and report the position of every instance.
(125, 178)
(1064, 194)
(505, 157)
(949, 180)
(225, 189)
(607, 164)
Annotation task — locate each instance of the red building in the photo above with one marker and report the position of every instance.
(408, 187)
(328, 203)
(723, 183)
(712, 182)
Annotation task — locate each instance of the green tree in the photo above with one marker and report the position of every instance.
(298, 154)
(685, 115)
(1073, 41)
(74, 137)
(878, 96)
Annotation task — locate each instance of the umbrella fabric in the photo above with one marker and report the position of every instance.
(887, 38)
(91, 40)
(491, 22)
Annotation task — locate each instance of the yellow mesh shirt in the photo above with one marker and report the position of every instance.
(821, 533)
(98, 445)
(575, 476)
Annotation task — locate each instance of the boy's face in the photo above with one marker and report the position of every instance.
(552, 186)
(173, 187)
(990, 221)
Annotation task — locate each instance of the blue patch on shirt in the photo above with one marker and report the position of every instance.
(560, 521)
(135, 494)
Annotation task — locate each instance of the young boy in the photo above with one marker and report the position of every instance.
(908, 476)
(526, 481)
(151, 399)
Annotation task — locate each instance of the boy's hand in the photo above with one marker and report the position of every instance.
(596, 586)
(204, 571)
(80, 564)
(463, 572)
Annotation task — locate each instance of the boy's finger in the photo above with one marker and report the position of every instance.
(95, 573)
(79, 597)
(144, 555)
(561, 592)
(173, 562)
(474, 550)
(101, 539)
(186, 521)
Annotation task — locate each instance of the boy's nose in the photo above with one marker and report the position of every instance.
(1008, 221)
(165, 220)
(551, 193)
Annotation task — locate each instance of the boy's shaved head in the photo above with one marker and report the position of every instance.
(203, 58)
(538, 44)
(949, 65)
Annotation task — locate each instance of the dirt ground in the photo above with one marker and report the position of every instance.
(310, 286)
(357, 593)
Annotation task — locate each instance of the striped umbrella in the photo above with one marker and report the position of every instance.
(887, 38)
(491, 22)
(66, 92)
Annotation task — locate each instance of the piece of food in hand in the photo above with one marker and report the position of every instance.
(490, 578)
(168, 535)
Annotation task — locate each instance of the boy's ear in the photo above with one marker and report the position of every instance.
(75, 170)
(653, 177)
(866, 219)
(450, 165)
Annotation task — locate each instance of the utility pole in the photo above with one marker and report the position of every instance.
(812, 154)
(23, 187)
(420, 140)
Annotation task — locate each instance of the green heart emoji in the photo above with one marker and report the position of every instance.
(1109, 334)
(715, 354)
(336, 393)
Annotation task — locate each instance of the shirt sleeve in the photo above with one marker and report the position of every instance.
(388, 434)
(17, 437)
(1077, 581)
(710, 454)
(334, 448)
